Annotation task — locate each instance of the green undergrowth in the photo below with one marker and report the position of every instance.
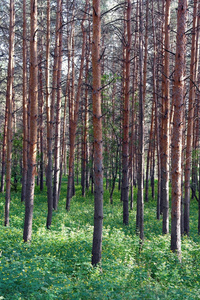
(57, 263)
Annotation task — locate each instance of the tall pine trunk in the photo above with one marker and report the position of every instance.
(33, 123)
(9, 104)
(190, 126)
(97, 127)
(48, 112)
(178, 127)
(166, 123)
(25, 120)
(58, 116)
(125, 144)
(140, 196)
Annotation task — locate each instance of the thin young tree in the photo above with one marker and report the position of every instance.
(97, 128)
(25, 119)
(58, 117)
(178, 102)
(140, 196)
(50, 110)
(33, 91)
(166, 123)
(125, 142)
(9, 105)
(190, 125)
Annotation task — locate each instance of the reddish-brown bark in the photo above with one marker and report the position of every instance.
(97, 127)
(25, 119)
(33, 123)
(190, 124)
(140, 195)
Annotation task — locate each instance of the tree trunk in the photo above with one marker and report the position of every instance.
(97, 127)
(190, 126)
(33, 124)
(9, 100)
(25, 121)
(40, 113)
(140, 196)
(166, 123)
(85, 130)
(49, 126)
(178, 127)
(58, 114)
(125, 142)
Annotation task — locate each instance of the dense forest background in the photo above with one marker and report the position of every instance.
(99, 101)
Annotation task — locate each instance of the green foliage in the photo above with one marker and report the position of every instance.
(16, 160)
(57, 263)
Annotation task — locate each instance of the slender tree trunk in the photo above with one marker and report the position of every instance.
(190, 126)
(9, 100)
(33, 124)
(97, 127)
(125, 144)
(157, 143)
(149, 153)
(85, 131)
(140, 197)
(4, 147)
(58, 115)
(25, 125)
(40, 113)
(178, 127)
(49, 124)
(166, 123)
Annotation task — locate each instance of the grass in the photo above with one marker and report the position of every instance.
(57, 263)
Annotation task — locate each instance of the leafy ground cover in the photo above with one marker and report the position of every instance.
(57, 263)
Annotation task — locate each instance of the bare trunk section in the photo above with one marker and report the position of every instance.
(97, 127)
(9, 100)
(85, 128)
(125, 143)
(33, 124)
(190, 126)
(58, 115)
(166, 123)
(149, 152)
(178, 127)
(4, 147)
(140, 196)
(25, 119)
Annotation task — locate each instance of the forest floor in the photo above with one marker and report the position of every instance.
(57, 263)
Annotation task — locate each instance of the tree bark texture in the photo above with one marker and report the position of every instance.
(58, 114)
(190, 124)
(33, 123)
(140, 196)
(9, 100)
(166, 123)
(178, 127)
(97, 127)
(125, 142)
(25, 119)
(49, 134)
